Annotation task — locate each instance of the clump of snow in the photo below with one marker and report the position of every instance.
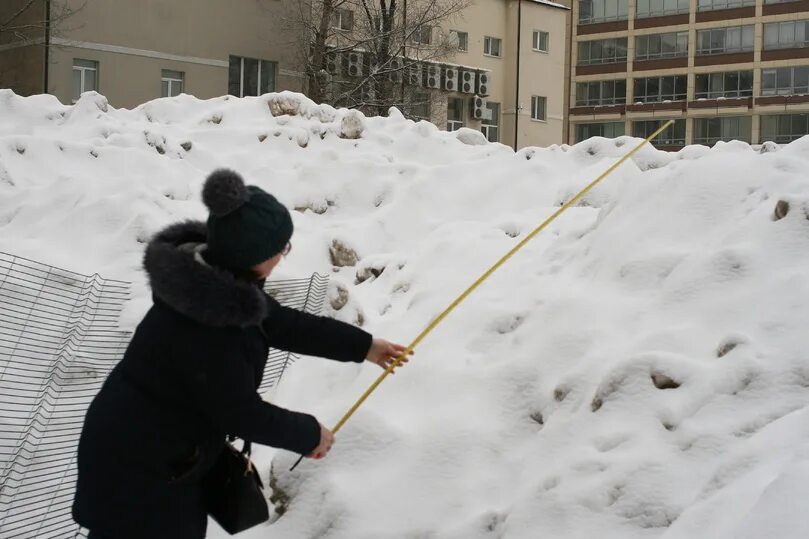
(638, 370)
(352, 125)
(471, 137)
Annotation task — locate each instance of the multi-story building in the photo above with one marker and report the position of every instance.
(507, 76)
(133, 52)
(722, 69)
(522, 45)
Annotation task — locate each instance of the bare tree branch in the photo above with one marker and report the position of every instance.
(386, 42)
(26, 20)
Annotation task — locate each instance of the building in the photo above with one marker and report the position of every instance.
(722, 69)
(507, 76)
(133, 52)
(498, 66)
(523, 47)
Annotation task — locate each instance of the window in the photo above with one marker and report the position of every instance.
(85, 77)
(659, 89)
(455, 113)
(423, 35)
(673, 135)
(722, 40)
(711, 130)
(654, 46)
(539, 108)
(248, 76)
(490, 127)
(540, 42)
(785, 81)
(659, 8)
(172, 82)
(342, 19)
(778, 1)
(784, 128)
(591, 11)
(602, 92)
(711, 5)
(602, 51)
(786, 35)
(606, 129)
(491, 46)
(421, 107)
(460, 39)
(728, 84)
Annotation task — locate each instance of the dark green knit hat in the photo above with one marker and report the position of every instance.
(246, 225)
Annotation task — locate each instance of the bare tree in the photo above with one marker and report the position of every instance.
(366, 53)
(26, 22)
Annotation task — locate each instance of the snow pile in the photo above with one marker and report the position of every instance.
(639, 370)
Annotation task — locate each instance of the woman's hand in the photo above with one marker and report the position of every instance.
(384, 353)
(326, 441)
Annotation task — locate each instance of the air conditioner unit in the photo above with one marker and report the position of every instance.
(333, 63)
(450, 79)
(395, 68)
(482, 84)
(478, 108)
(415, 75)
(432, 78)
(467, 83)
(354, 64)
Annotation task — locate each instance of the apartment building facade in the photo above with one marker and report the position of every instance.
(522, 47)
(133, 52)
(721, 69)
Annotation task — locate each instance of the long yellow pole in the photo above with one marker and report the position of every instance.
(488, 273)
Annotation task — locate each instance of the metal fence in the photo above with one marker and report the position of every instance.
(59, 339)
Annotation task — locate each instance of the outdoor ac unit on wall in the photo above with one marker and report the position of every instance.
(354, 64)
(482, 84)
(478, 108)
(415, 75)
(432, 77)
(450, 79)
(467, 83)
(333, 63)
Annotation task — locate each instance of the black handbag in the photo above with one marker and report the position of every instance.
(233, 491)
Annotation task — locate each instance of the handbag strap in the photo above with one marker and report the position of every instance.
(247, 448)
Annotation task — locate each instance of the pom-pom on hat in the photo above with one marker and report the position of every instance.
(246, 225)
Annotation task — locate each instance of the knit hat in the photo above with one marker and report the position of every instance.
(246, 225)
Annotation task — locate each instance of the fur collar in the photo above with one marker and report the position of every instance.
(206, 294)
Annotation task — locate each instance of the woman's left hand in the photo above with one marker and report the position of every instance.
(384, 353)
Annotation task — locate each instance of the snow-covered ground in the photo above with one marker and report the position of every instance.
(640, 370)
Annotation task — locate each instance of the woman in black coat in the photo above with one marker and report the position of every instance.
(190, 375)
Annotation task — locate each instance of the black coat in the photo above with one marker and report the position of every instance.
(189, 378)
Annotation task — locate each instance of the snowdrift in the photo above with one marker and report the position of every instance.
(639, 370)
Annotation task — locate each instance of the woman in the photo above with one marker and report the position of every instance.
(190, 374)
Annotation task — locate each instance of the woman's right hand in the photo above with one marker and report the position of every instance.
(326, 441)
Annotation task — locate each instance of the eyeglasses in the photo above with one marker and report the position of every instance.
(287, 249)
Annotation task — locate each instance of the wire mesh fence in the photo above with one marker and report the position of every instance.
(59, 339)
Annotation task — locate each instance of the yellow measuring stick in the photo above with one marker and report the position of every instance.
(488, 273)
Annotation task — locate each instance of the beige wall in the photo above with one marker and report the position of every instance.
(129, 80)
(543, 74)
(134, 41)
(197, 28)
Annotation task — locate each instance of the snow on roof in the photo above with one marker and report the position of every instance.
(551, 4)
